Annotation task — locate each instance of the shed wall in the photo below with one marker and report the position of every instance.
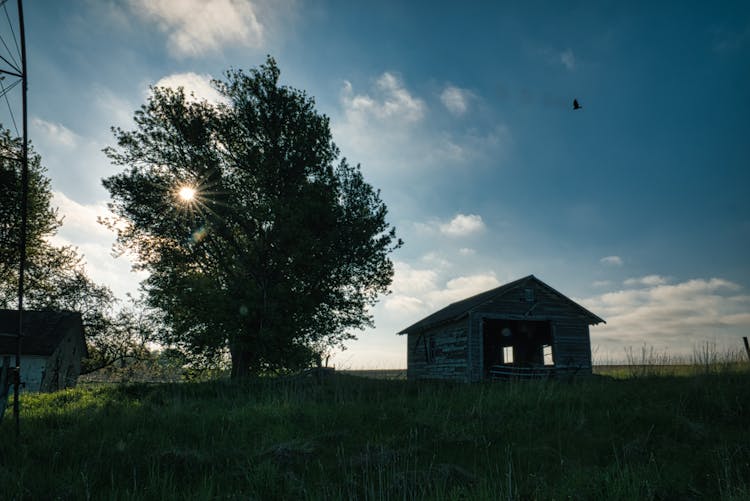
(32, 371)
(64, 365)
(572, 344)
(439, 353)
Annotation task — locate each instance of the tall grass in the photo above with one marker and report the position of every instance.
(706, 358)
(355, 438)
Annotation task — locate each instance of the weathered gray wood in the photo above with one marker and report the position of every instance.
(439, 353)
(5, 383)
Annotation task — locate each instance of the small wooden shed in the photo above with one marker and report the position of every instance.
(52, 347)
(525, 324)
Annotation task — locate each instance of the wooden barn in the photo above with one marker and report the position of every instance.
(52, 347)
(523, 328)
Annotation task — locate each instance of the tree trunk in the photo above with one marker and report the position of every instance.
(241, 359)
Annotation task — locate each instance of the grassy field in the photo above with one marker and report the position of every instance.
(347, 437)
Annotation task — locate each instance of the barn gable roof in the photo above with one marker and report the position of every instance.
(42, 333)
(456, 311)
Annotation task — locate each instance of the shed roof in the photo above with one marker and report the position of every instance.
(42, 333)
(459, 309)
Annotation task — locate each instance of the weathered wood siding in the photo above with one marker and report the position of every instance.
(32, 372)
(570, 331)
(546, 305)
(64, 365)
(439, 353)
(571, 344)
(475, 347)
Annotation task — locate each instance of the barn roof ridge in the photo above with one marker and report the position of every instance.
(459, 309)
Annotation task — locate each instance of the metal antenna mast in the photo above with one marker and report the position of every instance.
(24, 217)
(14, 70)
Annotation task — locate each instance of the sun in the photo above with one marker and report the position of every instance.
(187, 194)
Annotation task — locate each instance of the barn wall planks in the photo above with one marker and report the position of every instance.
(572, 346)
(439, 353)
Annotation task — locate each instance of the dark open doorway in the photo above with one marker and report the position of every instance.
(518, 343)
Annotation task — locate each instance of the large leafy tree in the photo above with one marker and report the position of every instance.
(258, 239)
(55, 276)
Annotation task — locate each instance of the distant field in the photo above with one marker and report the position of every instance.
(347, 437)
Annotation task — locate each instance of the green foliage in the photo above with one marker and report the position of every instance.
(55, 277)
(281, 250)
(353, 438)
(44, 261)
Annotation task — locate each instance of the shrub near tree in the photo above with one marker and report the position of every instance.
(259, 241)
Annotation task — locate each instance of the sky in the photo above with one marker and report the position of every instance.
(637, 206)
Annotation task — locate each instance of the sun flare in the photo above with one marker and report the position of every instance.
(186, 193)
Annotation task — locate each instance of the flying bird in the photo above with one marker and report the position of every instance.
(576, 106)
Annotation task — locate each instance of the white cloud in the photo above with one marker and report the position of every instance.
(198, 85)
(455, 99)
(611, 260)
(737, 319)
(81, 230)
(392, 102)
(463, 225)
(198, 27)
(568, 59)
(404, 305)
(425, 285)
(55, 133)
(678, 316)
(460, 288)
(81, 219)
(436, 260)
(408, 280)
(601, 283)
(648, 280)
(385, 128)
(418, 294)
(466, 251)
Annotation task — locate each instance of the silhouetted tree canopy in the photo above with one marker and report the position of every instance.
(282, 248)
(55, 277)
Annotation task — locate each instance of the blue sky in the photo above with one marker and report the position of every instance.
(636, 206)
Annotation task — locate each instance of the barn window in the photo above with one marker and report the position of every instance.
(528, 295)
(507, 354)
(547, 352)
